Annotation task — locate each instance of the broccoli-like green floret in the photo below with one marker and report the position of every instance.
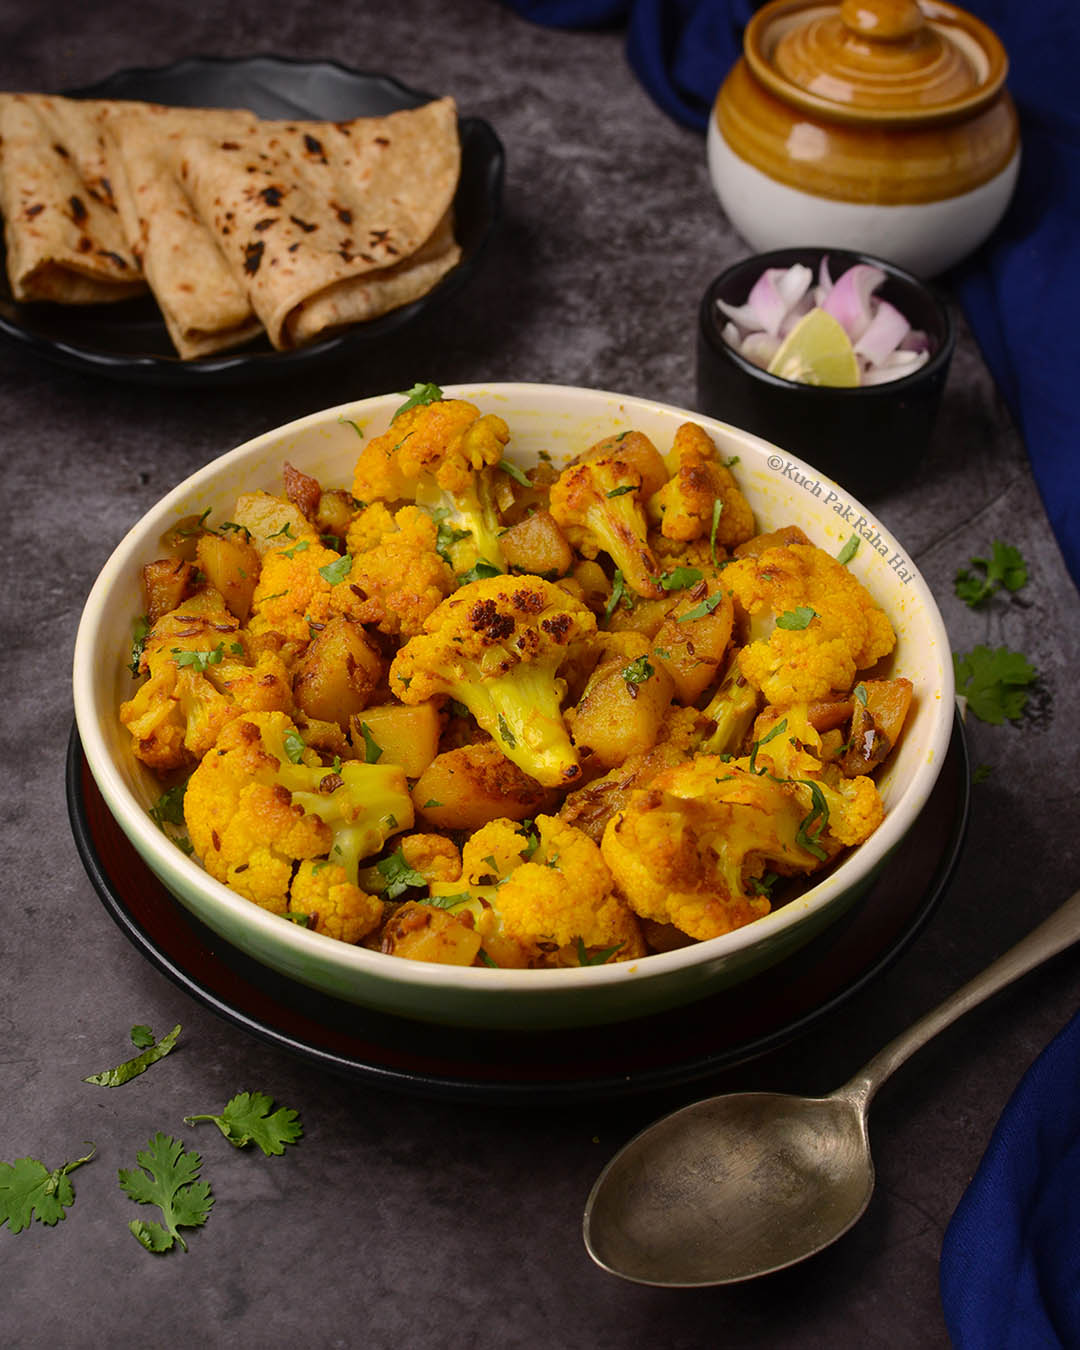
(496, 646)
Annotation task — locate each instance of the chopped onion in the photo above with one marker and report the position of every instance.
(885, 344)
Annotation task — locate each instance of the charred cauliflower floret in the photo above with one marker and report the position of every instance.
(397, 579)
(443, 454)
(199, 677)
(540, 895)
(260, 802)
(701, 498)
(496, 646)
(687, 849)
(599, 503)
(812, 624)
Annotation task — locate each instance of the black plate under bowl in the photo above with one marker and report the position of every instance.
(129, 341)
(529, 1068)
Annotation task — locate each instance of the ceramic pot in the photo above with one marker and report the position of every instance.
(881, 126)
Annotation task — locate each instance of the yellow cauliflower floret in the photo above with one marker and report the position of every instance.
(685, 506)
(399, 580)
(332, 904)
(813, 625)
(292, 594)
(433, 856)
(367, 528)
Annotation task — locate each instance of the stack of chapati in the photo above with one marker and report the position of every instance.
(236, 224)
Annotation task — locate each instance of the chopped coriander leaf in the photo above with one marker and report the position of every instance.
(532, 840)
(431, 802)
(849, 550)
(763, 885)
(504, 731)
(448, 901)
(398, 875)
(228, 526)
(372, 748)
(191, 531)
(169, 807)
(777, 729)
(294, 746)
(681, 578)
(446, 537)
(139, 633)
(638, 671)
(859, 692)
(717, 512)
(141, 1037)
(348, 422)
(301, 920)
(300, 547)
(810, 827)
(198, 660)
(285, 531)
(706, 607)
(995, 682)
(518, 475)
(981, 773)
(247, 1119)
(730, 462)
(419, 393)
(486, 960)
(1005, 567)
(169, 1178)
(480, 569)
(796, 619)
(338, 570)
(29, 1191)
(618, 593)
(622, 491)
(124, 1073)
(597, 958)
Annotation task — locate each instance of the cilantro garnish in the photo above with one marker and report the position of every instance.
(1004, 568)
(763, 885)
(347, 421)
(849, 550)
(775, 730)
(717, 512)
(418, 394)
(504, 731)
(198, 660)
(706, 607)
(518, 475)
(246, 1119)
(169, 807)
(338, 570)
(131, 1068)
(810, 827)
(618, 592)
(372, 748)
(448, 901)
(638, 671)
(981, 773)
(859, 693)
(478, 572)
(301, 547)
(293, 745)
(995, 681)
(285, 531)
(29, 1191)
(447, 535)
(597, 958)
(680, 578)
(139, 633)
(622, 491)
(486, 960)
(169, 1178)
(796, 619)
(398, 875)
(431, 801)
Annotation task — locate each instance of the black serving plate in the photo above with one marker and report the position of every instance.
(129, 341)
(582, 1064)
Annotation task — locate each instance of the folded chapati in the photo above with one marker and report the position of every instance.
(326, 223)
(205, 307)
(65, 240)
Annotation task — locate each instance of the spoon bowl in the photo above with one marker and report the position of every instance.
(742, 1185)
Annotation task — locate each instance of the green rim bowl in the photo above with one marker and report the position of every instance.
(561, 421)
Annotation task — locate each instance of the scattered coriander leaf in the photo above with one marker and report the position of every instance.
(29, 1191)
(284, 533)
(479, 570)
(622, 491)
(486, 960)
(142, 1036)
(597, 958)
(638, 671)
(1005, 567)
(419, 393)
(504, 731)
(230, 526)
(398, 875)
(372, 748)
(247, 1119)
(139, 633)
(994, 681)
(293, 745)
(169, 807)
(532, 839)
(446, 537)
(859, 693)
(168, 1177)
(680, 578)
(699, 611)
(301, 547)
(763, 885)
(796, 619)
(518, 475)
(849, 550)
(124, 1073)
(338, 570)
(717, 512)
(981, 773)
(810, 827)
(618, 592)
(431, 801)
(448, 901)
(198, 660)
(777, 729)
(347, 421)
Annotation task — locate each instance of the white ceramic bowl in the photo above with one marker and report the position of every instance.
(563, 421)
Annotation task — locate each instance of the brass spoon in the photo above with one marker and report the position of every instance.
(741, 1185)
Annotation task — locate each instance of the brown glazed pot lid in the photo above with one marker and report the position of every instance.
(897, 62)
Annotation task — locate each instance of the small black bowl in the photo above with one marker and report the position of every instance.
(868, 439)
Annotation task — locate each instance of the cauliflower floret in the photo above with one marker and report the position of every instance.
(686, 506)
(199, 677)
(540, 896)
(599, 502)
(293, 594)
(812, 624)
(496, 646)
(260, 801)
(687, 849)
(332, 904)
(444, 455)
(396, 582)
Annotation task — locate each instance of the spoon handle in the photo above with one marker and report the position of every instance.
(1053, 935)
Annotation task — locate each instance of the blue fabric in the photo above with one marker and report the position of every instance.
(1021, 293)
(1010, 1263)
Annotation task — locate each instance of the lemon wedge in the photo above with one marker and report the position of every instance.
(817, 351)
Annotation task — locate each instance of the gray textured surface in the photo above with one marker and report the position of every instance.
(403, 1222)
